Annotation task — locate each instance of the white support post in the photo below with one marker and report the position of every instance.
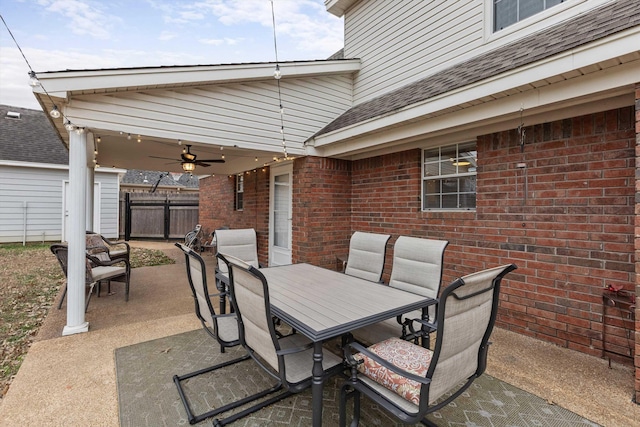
(76, 322)
(90, 196)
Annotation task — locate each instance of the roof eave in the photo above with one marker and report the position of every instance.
(59, 84)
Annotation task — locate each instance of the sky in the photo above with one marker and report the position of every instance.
(59, 35)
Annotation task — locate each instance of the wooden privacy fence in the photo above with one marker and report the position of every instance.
(157, 216)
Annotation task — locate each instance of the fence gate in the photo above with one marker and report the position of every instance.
(158, 216)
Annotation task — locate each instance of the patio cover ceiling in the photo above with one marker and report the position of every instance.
(113, 104)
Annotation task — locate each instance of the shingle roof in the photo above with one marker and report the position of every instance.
(30, 138)
(583, 29)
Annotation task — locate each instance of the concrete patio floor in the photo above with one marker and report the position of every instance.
(71, 381)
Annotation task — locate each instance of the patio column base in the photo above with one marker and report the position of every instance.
(70, 330)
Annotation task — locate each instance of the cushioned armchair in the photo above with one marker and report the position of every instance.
(410, 381)
(96, 271)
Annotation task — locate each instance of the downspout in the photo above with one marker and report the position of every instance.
(24, 223)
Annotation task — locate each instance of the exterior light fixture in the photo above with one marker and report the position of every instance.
(55, 113)
(69, 126)
(128, 136)
(188, 166)
(277, 73)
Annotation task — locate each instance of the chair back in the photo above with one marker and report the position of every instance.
(250, 298)
(96, 246)
(367, 253)
(238, 243)
(61, 251)
(197, 276)
(466, 316)
(417, 265)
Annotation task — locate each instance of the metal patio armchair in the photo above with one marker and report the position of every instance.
(287, 359)
(417, 268)
(240, 243)
(366, 258)
(410, 381)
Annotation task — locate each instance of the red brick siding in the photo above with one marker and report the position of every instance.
(217, 200)
(637, 246)
(321, 210)
(570, 236)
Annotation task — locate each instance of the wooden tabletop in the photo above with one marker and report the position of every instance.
(323, 304)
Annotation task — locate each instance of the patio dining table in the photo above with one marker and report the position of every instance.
(323, 304)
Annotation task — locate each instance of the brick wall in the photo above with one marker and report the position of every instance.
(637, 247)
(217, 203)
(321, 210)
(566, 220)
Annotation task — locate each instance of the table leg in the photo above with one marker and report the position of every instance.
(317, 384)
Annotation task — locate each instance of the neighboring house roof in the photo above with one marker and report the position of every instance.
(28, 136)
(150, 178)
(586, 28)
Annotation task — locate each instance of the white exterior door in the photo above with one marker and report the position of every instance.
(280, 220)
(65, 209)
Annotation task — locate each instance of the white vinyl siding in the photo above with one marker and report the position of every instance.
(399, 42)
(243, 114)
(35, 195)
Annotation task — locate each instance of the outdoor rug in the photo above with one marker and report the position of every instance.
(147, 395)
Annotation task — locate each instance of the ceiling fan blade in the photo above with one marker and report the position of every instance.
(211, 160)
(164, 158)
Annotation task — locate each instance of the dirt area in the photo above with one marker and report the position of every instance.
(30, 279)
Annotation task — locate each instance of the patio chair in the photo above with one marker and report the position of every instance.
(240, 243)
(116, 250)
(221, 327)
(417, 268)
(287, 359)
(410, 381)
(96, 271)
(367, 253)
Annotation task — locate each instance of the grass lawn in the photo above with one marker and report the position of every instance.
(30, 279)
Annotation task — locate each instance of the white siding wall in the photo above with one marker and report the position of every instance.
(399, 42)
(246, 115)
(41, 189)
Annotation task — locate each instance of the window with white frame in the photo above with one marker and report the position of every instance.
(449, 177)
(508, 12)
(239, 192)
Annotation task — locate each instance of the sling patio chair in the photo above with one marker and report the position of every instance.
(240, 243)
(410, 381)
(367, 253)
(417, 268)
(96, 271)
(287, 359)
(221, 327)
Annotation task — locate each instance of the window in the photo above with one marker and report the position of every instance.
(239, 192)
(449, 177)
(508, 12)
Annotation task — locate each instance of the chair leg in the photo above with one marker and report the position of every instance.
(193, 419)
(344, 396)
(64, 294)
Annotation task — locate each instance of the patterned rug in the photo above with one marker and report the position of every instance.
(147, 395)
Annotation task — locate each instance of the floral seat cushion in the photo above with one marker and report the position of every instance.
(404, 355)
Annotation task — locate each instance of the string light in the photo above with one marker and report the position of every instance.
(277, 74)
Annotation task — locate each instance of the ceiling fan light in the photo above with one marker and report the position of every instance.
(188, 166)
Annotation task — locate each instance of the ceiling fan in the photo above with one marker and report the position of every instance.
(189, 160)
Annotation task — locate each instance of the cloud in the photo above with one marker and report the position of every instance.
(167, 35)
(85, 18)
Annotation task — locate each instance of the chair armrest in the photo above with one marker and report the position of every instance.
(386, 364)
(116, 243)
(101, 263)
